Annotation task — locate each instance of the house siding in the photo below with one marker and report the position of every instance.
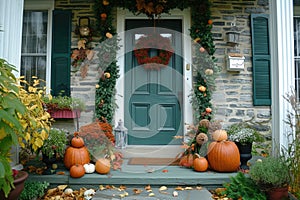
(232, 99)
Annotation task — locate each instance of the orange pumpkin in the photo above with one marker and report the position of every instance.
(75, 156)
(200, 163)
(219, 135)
(223, 156)
(103, 16)
(187, 160)
(77, 141)
(77, 171)
(102, 166)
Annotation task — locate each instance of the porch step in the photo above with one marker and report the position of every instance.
(139, 175)
(202, 194)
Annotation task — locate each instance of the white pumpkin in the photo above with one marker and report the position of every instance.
(89, 168)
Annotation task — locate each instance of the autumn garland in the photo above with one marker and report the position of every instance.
(156, 41)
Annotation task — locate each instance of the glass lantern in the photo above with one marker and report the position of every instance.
(121, 135)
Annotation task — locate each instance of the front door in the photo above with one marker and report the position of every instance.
(153, 97)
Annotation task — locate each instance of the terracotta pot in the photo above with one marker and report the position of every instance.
(278, 193)
(19, 186)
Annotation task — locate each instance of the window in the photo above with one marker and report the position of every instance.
(34, 44)
(297, 54)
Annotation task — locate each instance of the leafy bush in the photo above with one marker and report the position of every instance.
(33, 190)
(63, 102)
(242, 186)
(271, 172)
(55, 143)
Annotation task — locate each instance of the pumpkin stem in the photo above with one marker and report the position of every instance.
(198, 156)
(76, 134)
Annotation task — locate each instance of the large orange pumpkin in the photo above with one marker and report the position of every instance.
(186, 160)
(200, 164)
(102, 166)
(77, 171)
(223, 156)
(75, 156)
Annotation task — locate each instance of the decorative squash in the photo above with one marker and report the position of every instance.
(77, 171)
(223, 156)
(102, 166)
(200, 163)
(219, 135)
(77, 141)
(75, 156)
(89, 168)
(187, 160)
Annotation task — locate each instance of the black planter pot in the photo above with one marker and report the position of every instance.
(48, 161)
(245, 154)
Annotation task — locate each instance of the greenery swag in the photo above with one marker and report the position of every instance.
(200, 32)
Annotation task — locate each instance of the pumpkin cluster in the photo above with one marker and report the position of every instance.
(210, 148)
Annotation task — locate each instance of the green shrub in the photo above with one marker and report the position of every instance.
(33, 190)
(271, 172)
(242, 186)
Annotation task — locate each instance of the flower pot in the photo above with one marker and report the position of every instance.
(245, 154)
(65, 114)
(278, 193)
(19, 186)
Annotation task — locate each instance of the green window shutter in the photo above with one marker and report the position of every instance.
(61, 51)
(261, 60)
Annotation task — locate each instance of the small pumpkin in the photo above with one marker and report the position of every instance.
(187, 160)
(102, 166)
(202, 88)
(77, 171)
(89, 168)
(223, 156)
(200, 163)
(77, 141)
(219, 135)
(75, 156)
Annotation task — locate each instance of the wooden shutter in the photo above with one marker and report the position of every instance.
(61, 51)
(261, 60)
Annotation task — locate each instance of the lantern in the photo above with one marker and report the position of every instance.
(84, 26)
(233, 36)
(121, 135)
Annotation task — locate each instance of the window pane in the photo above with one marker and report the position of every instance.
(34, 44)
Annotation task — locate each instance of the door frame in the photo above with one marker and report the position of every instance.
(185, 16)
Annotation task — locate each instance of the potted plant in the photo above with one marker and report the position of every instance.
(243, 135)
(63, 106)
(24, 121)
(272, 175)
(54, 146)
(33, 190)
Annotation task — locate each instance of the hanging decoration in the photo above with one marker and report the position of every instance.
(153, 41)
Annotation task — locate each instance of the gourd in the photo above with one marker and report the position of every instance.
(200, 163)
(223, 156)
(187, 160)
(77, 171)
(89, 168)
(219, 135)
(77, 141)
(102, 166)
(75, 155)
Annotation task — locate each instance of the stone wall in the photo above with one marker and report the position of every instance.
(233, 97)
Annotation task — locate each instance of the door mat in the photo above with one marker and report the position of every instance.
(153, 161)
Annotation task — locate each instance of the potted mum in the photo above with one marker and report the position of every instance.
(63, 106)
(24, 121)
(271, 175)
(243, 135)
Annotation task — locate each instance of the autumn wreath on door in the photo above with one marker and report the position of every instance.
(153, 41)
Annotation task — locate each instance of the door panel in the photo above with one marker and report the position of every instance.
(153, 114)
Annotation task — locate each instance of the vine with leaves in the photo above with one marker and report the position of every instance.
(203, 48)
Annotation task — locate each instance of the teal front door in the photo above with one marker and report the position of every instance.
(153, 98)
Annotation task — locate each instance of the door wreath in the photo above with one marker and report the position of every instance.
(153, 41)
